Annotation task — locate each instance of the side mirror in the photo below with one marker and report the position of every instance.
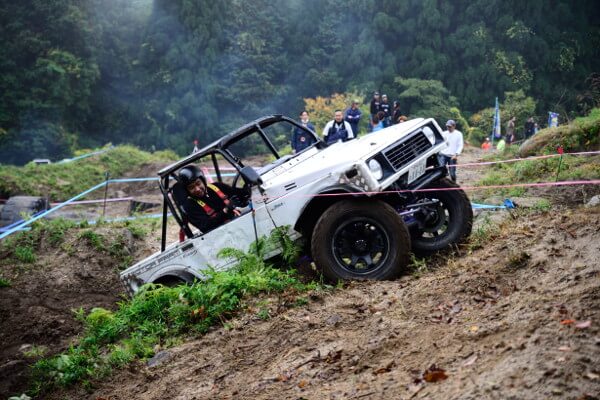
(250, 175)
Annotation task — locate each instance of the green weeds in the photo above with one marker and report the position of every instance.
(96, 240)
(485, 231)
(418, 266)
(25, 254)
(159, 315)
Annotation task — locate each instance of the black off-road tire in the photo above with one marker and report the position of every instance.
(449, 223)
(11, 212)
(360, 239)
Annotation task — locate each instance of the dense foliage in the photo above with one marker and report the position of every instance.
(81, 73)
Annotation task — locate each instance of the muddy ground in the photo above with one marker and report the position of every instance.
(517, 319)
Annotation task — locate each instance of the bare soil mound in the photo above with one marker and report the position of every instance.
(517, 319)
(37, 309)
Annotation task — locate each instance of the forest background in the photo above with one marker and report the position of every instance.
(160, 73)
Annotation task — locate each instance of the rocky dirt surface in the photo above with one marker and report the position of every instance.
(517, 319)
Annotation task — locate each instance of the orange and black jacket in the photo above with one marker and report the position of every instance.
(207, 213)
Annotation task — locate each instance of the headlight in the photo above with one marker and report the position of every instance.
(429, 134)
(376, 169)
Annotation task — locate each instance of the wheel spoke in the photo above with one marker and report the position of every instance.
(368, 260)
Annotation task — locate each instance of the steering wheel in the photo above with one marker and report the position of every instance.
(236, 200)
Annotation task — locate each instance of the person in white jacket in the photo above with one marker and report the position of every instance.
(449, 156)
(337, 129)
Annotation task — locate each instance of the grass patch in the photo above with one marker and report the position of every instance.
(35, 351)
(94, 239)
(4, 283)
(63, 181)
(583, 134)
(418, 266)
(483, 234)
(159, 315)
(25, 254)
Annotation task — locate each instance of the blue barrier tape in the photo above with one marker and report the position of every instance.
(53, 209)
(507, 204)
(66, 160)
(485, 206)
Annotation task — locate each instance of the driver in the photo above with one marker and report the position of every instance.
(208, 205)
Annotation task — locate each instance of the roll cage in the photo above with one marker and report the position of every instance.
(173, 195)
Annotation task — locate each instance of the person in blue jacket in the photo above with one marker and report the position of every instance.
(300, 138)
(352, 116)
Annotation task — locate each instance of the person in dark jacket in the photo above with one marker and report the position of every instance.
(374, 108)
(352, 116)
(337, 129)
(529, 128)
(387, 112)
(396, 113)
(302, 139)
(208, 205)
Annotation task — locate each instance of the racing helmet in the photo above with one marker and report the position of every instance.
(190, 174)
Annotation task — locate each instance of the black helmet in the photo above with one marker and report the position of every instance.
(190, 174)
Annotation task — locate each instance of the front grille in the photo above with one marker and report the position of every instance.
(401, 154)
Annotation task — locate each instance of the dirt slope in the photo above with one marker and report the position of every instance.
(491, 320)
(506, 322)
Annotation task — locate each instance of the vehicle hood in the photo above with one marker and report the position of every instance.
(318, 164)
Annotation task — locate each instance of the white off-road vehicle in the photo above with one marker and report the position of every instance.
(360, 206)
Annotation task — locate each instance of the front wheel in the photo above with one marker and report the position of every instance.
(360, 240)
(449, 221)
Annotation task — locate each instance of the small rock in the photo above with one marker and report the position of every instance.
(25, 347)
(334, 319)
(159, 358)
(594, 201)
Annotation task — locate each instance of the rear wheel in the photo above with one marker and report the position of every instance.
(360, 240)
(445, 223)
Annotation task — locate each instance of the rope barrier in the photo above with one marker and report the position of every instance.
(73, 200)
(583, 153)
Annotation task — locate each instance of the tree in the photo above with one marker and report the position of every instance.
(424, 98)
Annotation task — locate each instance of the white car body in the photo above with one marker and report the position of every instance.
(283, 196)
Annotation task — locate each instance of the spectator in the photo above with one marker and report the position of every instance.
(402, 118)
(352, 115)
(337, 129)
(449, 156)
(387, 114)
(529, 128)
(396, 113)
(375, 107)
(510, 130)
(486, 145)
(501, 144)
(536, 128)
(208, 205)
(302, 139)
(376, 124)
(196, 149)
